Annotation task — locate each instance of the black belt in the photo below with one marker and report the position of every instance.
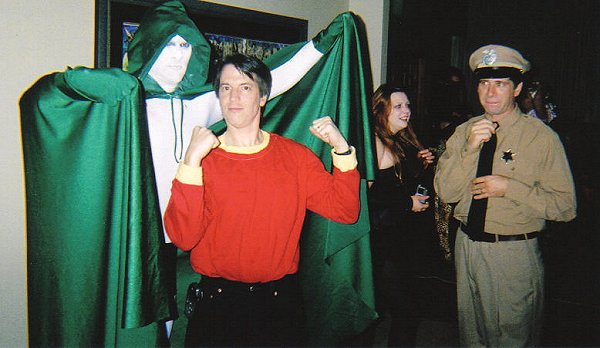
(493, 238)
(222, 284)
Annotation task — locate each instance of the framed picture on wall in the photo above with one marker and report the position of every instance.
(228, 29)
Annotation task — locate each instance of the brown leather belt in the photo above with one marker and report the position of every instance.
(493, 238)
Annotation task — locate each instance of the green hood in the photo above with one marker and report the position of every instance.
(156, 29)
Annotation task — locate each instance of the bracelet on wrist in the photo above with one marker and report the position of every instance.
(344, 153)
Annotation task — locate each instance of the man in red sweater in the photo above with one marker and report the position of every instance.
(238, 203)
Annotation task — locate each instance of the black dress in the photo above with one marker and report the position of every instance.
(403, 245)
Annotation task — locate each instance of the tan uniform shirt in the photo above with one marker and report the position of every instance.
(531, 155)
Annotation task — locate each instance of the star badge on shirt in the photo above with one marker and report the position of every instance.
(508, 156)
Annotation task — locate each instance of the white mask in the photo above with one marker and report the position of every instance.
(170, 66)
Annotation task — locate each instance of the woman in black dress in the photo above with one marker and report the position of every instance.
(402, 225)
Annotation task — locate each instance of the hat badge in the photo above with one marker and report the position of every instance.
(489, 56)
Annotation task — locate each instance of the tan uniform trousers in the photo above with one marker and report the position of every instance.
(500, 288)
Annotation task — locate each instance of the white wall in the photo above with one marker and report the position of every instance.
(41, 37)
(375, 16)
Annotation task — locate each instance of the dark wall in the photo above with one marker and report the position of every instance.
(560, 38)
(423, 29)
(562, 41)
(420, 47)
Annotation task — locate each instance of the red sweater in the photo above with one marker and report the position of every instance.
(244, 222)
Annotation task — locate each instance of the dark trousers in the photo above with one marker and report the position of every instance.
(242, 314)
(397, 293)
(399, 257)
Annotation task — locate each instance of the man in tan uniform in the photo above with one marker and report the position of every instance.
(500, 275)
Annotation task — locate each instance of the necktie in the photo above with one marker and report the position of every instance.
(476, 217)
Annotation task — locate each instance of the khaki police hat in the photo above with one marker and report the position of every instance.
(497, 56)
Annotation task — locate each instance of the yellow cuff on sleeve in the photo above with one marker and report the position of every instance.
(189, 175)
(345, 162)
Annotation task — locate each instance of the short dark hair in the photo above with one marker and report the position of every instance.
(251, 66)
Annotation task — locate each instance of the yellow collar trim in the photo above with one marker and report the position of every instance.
(246, 149)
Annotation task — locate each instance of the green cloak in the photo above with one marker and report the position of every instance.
(93, 228)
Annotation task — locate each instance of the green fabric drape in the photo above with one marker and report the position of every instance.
(93, 222)
(335, 263)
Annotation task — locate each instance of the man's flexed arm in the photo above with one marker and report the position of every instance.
(203, 140)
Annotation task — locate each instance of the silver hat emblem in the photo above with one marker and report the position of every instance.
(489, 56)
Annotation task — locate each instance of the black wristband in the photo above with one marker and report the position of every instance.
(344, 153)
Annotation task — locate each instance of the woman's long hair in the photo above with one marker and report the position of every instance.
(381, 107)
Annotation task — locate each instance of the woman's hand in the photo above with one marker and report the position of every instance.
(417, 206)
(426, 157)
